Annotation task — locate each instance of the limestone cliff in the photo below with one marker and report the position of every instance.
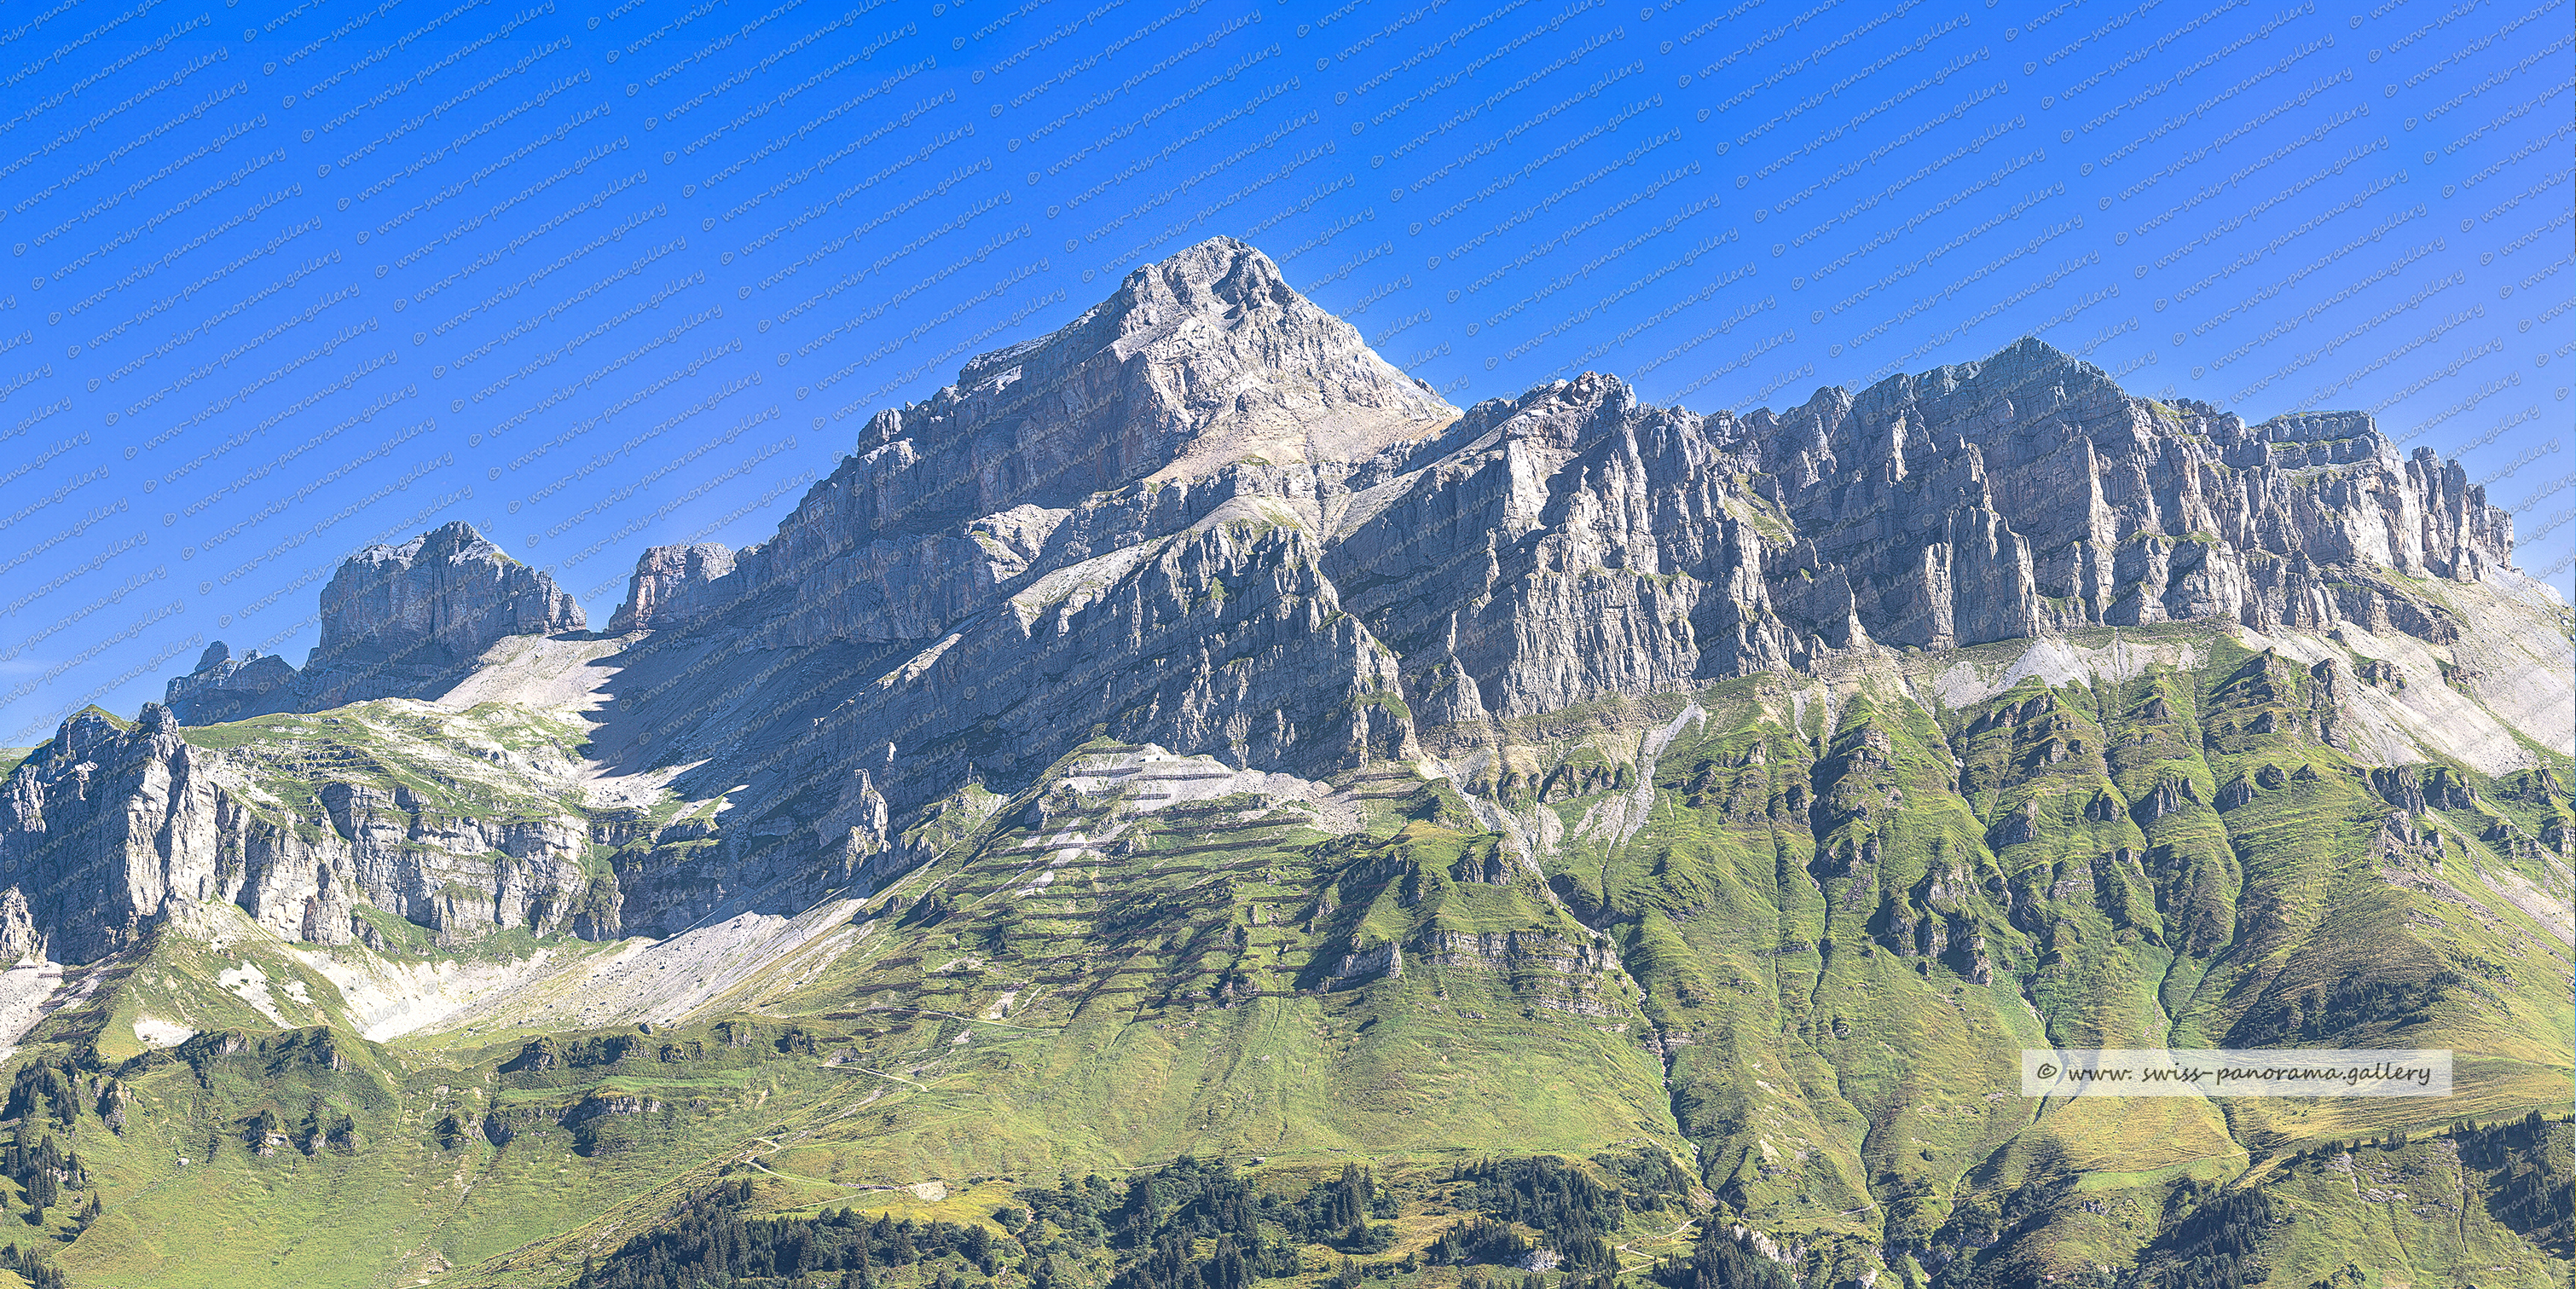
(673, 584)
(1204, 516)
(397, 614)
(403, 621)
(109, 824)
(2027, 493)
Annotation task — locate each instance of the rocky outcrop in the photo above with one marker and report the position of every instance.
(225, 688)
(89, 829)
(395, 617)
(673, 585)
(106, 826)
(1261, 667)
(20, 941)
(1383, 961)
(1548, 969)
(397, 621)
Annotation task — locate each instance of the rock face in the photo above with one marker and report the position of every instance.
(1569, 544)
(1204, 516)
(20, 941)
(397, 621)
(107, 825)
(2027, 494)
(394, 614)
(89, 820)
(1200, 369)
(225, 688)
(672, 585)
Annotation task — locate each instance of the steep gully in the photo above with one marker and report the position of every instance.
(1821, 779)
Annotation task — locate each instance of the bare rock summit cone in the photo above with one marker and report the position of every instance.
(1203, 376)
(397, 621)
(437, 600)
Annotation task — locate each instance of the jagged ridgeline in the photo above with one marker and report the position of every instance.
(1185, 758)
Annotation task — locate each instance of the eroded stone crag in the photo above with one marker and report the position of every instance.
(397, 621)
(104, 827)
(1206, 517)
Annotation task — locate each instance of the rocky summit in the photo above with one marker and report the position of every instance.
(404, 620)
(1186, 805)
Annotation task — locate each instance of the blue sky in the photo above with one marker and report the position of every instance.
(292, 278)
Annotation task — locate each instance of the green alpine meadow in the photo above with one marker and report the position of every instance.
(1186, 808)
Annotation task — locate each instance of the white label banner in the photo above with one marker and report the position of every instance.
(2219, 1072)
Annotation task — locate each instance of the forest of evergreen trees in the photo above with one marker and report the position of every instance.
(38, 1274)
(709, 1241)
(2218, 1245)
(43, 1097)
(1718, 1262)
(1563, 1201)
(1192, 1224)
(1153, 1226)
(2531, 1187)
(1199, 1224)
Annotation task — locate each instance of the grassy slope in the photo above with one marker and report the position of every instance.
(1834, 929)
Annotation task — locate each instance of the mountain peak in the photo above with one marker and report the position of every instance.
(1186, 674)
(2026, 364)
(1199, 360)
(393, 614)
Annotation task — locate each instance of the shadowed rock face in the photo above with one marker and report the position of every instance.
(1205, 516)
(441, 598)
(225, 688)
(397, 621)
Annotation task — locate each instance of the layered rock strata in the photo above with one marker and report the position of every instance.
(397, 621)
(1206, 517)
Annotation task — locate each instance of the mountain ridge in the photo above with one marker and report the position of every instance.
(1435, 576)
(1188, 735)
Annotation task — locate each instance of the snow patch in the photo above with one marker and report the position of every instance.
(250, 984)
(156, 1032)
